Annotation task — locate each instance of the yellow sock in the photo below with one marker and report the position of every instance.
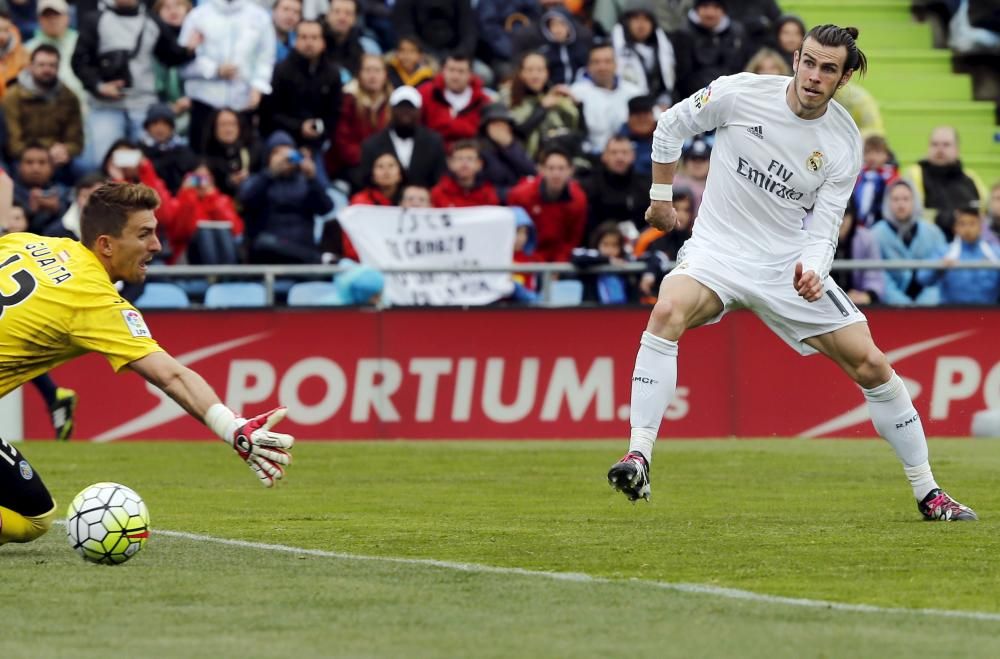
(15, 527)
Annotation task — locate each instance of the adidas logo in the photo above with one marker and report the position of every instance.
(756, 131)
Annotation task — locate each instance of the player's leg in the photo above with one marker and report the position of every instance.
(61, 403)
(683, 302)
(892, 413)
(26, 507)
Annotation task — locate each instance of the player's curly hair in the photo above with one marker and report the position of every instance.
(833, 36)
(109, 207)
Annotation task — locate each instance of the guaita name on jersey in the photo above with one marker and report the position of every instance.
(50, 264)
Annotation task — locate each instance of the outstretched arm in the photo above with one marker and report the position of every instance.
(264, 451)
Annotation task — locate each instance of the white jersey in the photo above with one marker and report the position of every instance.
(768, 168)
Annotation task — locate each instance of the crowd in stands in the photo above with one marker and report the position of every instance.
(273, 115)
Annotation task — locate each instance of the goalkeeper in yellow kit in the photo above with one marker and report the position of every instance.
(58, 301)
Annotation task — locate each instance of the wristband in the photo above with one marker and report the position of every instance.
(221, 420)
(661, 192)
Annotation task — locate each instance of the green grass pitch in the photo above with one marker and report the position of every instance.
(824, 520)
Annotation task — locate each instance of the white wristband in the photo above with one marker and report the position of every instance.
(221, 420)
(661, 192)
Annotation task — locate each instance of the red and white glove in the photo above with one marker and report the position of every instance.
(264, 450)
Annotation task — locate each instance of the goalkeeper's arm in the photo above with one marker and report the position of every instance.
(263, 450)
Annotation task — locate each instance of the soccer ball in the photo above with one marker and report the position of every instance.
(107, 523)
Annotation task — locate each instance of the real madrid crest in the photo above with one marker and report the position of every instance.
(814, 161)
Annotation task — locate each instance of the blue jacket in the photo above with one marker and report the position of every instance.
(965, 286)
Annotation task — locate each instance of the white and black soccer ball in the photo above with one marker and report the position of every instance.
(107, 523)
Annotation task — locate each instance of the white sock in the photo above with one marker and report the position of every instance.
(653, 383)
(896, 420)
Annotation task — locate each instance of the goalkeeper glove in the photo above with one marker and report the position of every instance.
(264, 450)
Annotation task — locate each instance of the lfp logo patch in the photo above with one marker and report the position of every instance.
(26, 471)
(702, 97)
(136, 325)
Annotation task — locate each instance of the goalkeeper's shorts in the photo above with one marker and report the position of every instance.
(21, 487)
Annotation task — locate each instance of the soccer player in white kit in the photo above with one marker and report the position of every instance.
(782, 146)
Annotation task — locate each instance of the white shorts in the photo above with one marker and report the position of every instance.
(767, 291)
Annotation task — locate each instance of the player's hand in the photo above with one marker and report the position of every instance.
(262, 449)
(807, 284)
(661, 215)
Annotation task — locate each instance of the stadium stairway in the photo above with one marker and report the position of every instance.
(913, 82)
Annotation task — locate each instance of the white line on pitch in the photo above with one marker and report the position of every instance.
(697, 589)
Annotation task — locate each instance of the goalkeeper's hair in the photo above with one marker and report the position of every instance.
(110, 206)
(833, 36)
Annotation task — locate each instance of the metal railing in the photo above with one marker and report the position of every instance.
(269, 274)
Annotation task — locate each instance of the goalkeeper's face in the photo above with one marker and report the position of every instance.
(135, 248)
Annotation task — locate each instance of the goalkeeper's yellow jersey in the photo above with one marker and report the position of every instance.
(57, 303)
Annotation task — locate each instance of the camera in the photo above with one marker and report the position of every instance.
(295, 157)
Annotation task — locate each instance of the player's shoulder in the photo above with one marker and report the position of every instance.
(841, 127)
(746, 82)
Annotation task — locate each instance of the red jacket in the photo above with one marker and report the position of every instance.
(437, 115)
(356, 124)
(191, 209)
(559, 224)
(449, 194)
(366, 197)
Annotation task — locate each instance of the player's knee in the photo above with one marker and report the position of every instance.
(872, 369)
(666, 320)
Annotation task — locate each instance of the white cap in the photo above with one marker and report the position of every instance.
(405, 93)
(55, 5)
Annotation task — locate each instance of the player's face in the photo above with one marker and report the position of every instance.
(819, 72)
(131, 252)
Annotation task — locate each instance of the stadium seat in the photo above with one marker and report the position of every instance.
(312, 294)
(160, 295)
(235, 294)
(565, 293)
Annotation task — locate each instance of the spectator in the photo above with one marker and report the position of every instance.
(758, 18)
(13, 54)
(114, 59)
(941, 182)
(68, 226)
(364, 112)
(343, 36)
(639, 130)
(171, 157)
(858, 242)
(463, 184)
(39, 108)
(693, 173)
(306, 96)
(719, 45)
(561, 40)
(285, 16)
(671, 15)
(415, 196)
(383, 184)
(280, 204)
(14, 221)
(377, 19)
(877, 172)
(902, 235)
(228, 72)
(525, 243)
(359, 285)
(542, 112)
(991, 221)
(604, 97)
(862, 107)
(169, 81)
(418, 149)
(443, 26)
(407, 65)
(607, 247)
(499, 21)
(966, 286)
(789, 33)
(35, 188)
(54, 30)
(125, 162)
(199, 200)
(615, 191)
(643, 52)
(453, 100)
(505, 161)
(769, 62)
(556, 203)
(229, 151)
